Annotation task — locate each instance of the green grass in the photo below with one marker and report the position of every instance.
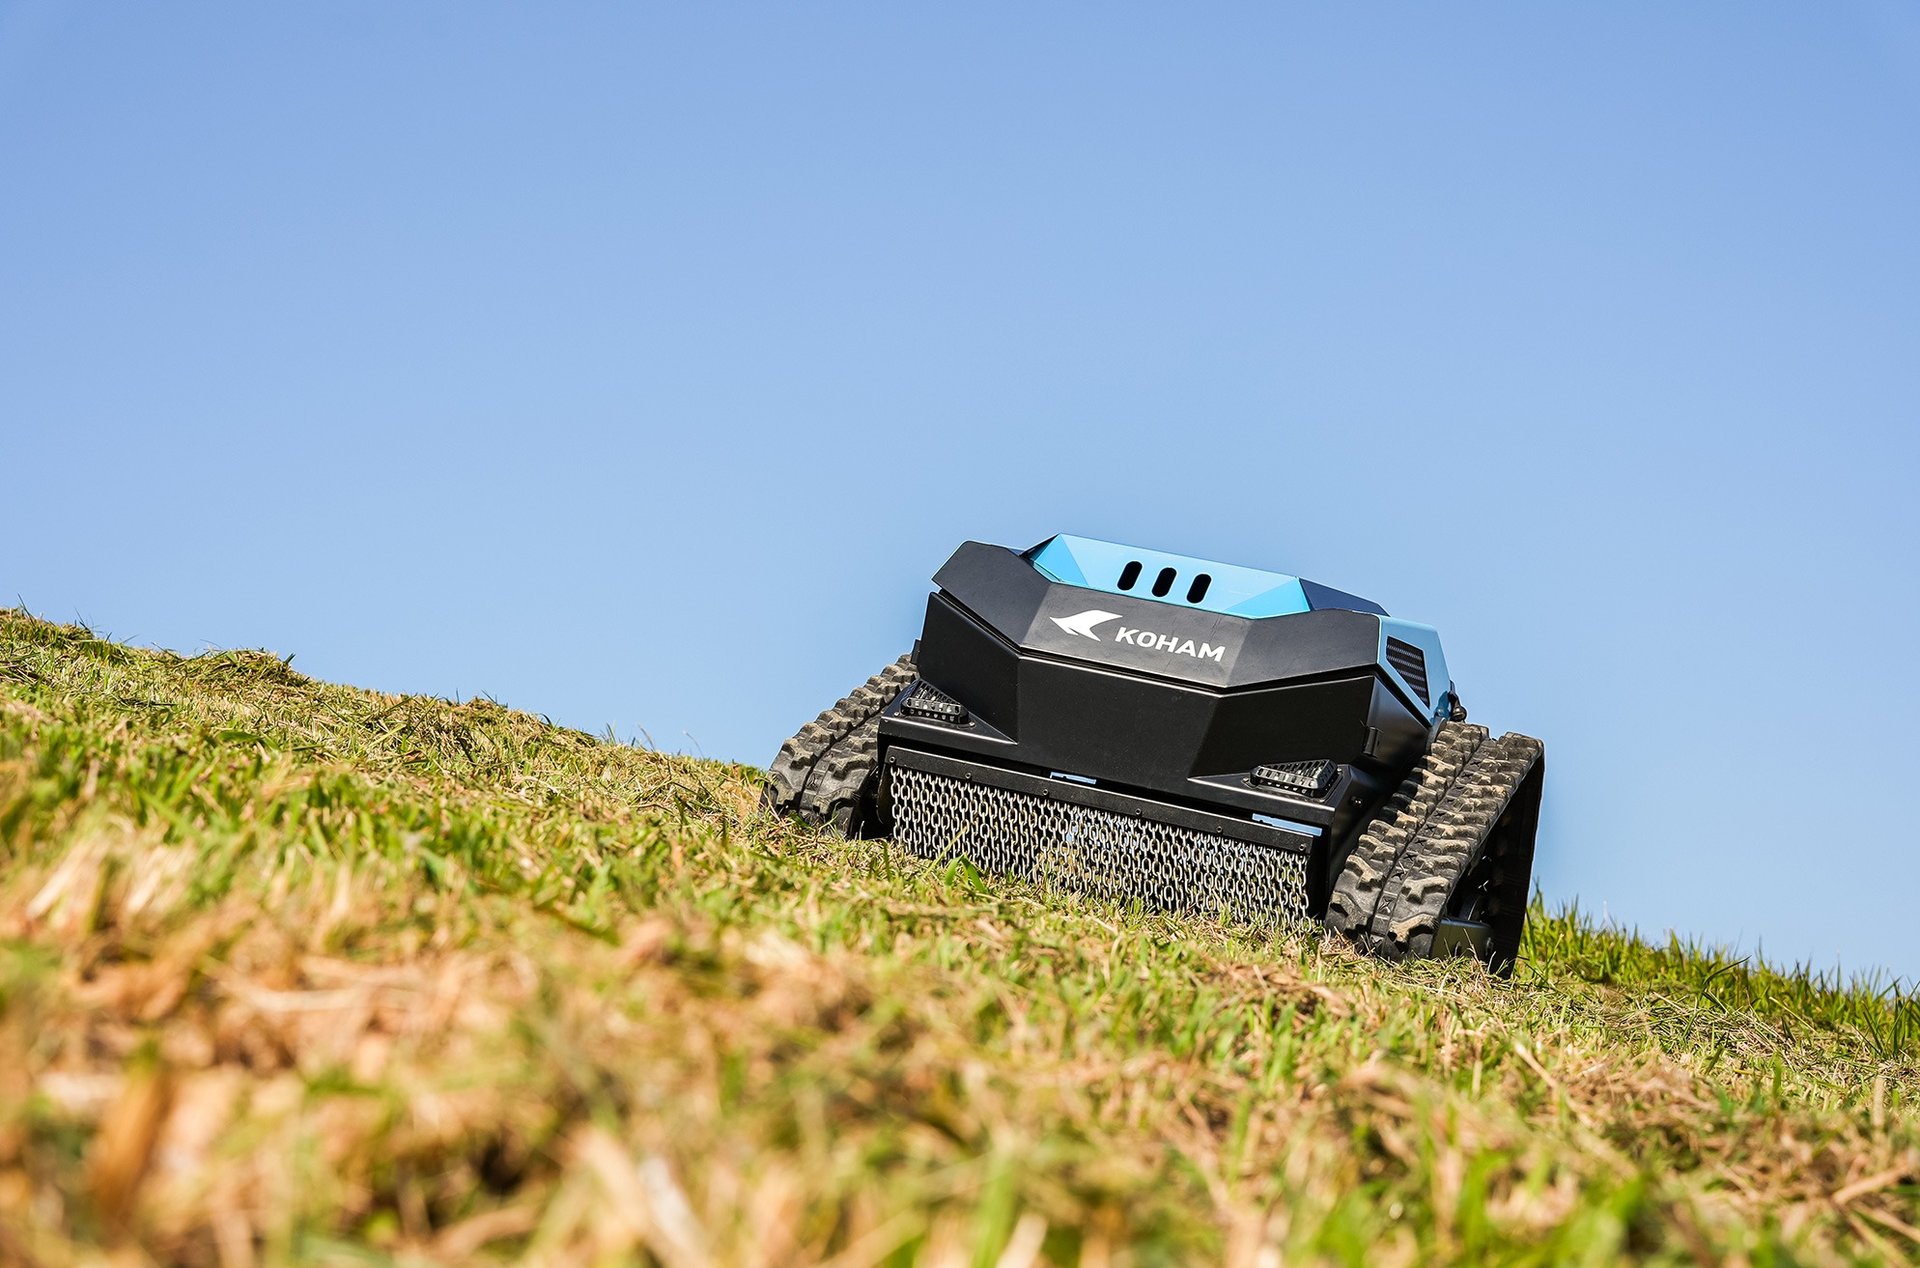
(292, 971)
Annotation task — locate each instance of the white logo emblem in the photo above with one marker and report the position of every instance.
(1172, 643)
(1082, 623)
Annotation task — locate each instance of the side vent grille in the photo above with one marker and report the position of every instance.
(1412, 664)
(928, 701)
(1309, 779)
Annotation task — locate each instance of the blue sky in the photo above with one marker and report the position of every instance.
(638, 366)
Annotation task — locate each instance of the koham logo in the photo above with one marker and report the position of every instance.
(1171, 643)
(1083, 623)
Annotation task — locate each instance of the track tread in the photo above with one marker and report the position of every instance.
(1403, 873)
(1375, 861)
(822, 772)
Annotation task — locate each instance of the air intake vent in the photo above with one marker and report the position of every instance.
(1310, 779)
(1412, 664)
(928, 701)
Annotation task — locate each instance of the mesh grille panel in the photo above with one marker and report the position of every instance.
(1097, 852)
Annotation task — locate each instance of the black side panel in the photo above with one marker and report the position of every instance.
(971, 663)
(997, 585)
(1327, 597)
(1400, 737)
(1288, 724)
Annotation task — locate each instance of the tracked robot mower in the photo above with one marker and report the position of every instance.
(1195, 735)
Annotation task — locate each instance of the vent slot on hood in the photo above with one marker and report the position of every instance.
(1411, 663)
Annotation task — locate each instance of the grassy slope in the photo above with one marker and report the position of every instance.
(296, 970)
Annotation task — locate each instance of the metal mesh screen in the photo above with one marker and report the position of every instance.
(1094, 851)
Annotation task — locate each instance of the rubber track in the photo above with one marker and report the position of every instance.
(821, 773)
(1376, 857)
(1403, 873)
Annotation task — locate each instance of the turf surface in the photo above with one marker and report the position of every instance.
(293, 971)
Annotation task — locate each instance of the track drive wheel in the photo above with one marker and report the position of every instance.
(825, 773)
(1445, 867)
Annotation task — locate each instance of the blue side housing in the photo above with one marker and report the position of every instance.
(1427, 639)
(1233, 591)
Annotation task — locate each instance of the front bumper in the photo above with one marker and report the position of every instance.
(1093, 840)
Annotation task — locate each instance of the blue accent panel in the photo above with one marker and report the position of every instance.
(1427, 639)
(1055, 558)
(1231, 589)
(1282, 600)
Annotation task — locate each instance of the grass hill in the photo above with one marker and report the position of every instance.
(297, 971)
